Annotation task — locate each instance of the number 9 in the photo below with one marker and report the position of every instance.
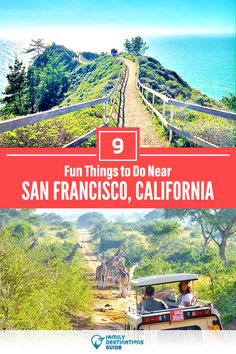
(118, 145)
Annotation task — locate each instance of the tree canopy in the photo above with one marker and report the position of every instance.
(90, 219)
(36, 47)
(154, 214)
(135, 46)
(217, 225)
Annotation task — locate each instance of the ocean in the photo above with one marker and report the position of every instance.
(206, 62)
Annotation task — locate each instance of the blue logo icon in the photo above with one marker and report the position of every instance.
(97, 341)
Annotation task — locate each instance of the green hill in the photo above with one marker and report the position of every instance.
(56, 79)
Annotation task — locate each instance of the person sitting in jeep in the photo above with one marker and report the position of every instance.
(150, 304)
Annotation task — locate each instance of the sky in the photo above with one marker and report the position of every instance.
(83, 22)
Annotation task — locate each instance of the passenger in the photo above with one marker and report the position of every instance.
(171, 300)
(149, 303)
(187, 297)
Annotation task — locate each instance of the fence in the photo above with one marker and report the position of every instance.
(116, 112)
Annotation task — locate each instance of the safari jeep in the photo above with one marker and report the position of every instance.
(200, 316)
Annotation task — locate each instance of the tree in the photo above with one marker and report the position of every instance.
(154, 214)
(217, 225)
(36, 47)
(8, 216)
(51, 218)
(90, 219)
(54, 82)
(33, 80)
(195, 215)
(164, 228)
(135, 46)
(229, 101)
(15, 90)
(30, 301)
(109, 235)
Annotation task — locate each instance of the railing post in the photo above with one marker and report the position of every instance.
(153, 102)
(171, 122)
(104, 107)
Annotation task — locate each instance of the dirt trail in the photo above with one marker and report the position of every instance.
(108, 308)
(136, 115)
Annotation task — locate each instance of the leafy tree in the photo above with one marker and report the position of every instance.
(229, 101)
(53, 83)
(137, 246)
(67, 225)
(155, 265)
(164, 228)
(8, 216)
(135, 46)
(154, 214)
(32, 80)
(50, 218)
(217, 225)
(14, 92)
(36, 47)
(109, 235)
(21, 230)
(90, 219)
(220, 288)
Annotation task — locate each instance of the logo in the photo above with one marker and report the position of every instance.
(97, 340)
(115, 341)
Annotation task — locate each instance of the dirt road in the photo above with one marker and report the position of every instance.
(108, 308)
(136, 115)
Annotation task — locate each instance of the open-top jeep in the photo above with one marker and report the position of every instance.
(199, 316)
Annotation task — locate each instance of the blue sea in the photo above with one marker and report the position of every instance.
(206, 62)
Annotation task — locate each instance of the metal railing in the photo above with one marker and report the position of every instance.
(120, 121)
(145, 91)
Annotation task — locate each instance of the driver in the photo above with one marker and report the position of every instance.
(149, 303)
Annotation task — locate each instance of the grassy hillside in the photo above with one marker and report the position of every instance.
(56, 78)
(218, 131)
(62, 80)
